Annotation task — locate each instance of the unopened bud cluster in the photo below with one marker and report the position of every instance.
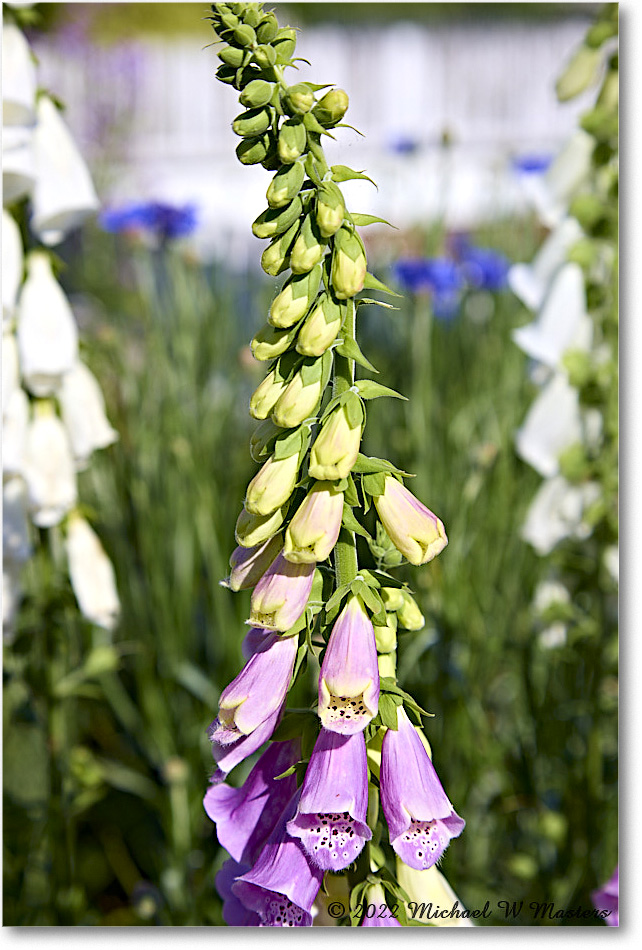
(296, 534)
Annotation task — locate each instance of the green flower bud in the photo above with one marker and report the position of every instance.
(265, 56)
(294, 300)
(270, 342)
(244, 35)
(251, 14)
(273, 221)
(251, 151)
(232, 56)
(581, 72)
(392, 598)
(386, 637)
(308, 248)
(331, 108)
(267, 28)
(226, 74)
(336, 447)
(262, 437)
(272, 485)
(229, 21)
(331, 208)
(348, 264)
(285, 185)
(321, 327)
(252, 122)
(266, 394)
(257, 93)
(387, 663)
(292, 140)
(314, 529)
(255, 529)
(275, 257)
(299, 98)
(284, 43)
(410, 616)
(300, 398)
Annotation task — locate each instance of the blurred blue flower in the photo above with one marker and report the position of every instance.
(531, 164)
(483, 268)
(440, 276)
(403, 145)
(159, 219)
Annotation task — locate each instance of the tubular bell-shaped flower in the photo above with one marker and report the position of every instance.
(336, 447)
(382, 916)
(314, 529)
(250, 706)
(420, 818)
(92, 574)
(252, 530)
(11, 264)
(49, 468)
(331, 816)
(246, 816)
(272, 485)
(349, 677)
(553, 423)
(298, 401)
(413, 529)
(235, 914)
(83, 412)
(282, 885)
(250, 564)
(280, 596)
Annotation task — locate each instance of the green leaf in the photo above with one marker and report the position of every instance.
(370, 579)
(369, 465)
(338, 596)
(371, 283)
(379, 303)
(289, 445)
(350, 350)
(388, 711)
(351, 496)
(362, 220)
(385, 580)
(285, 774)
(353, 410)
(374, 484)
(370, 389)
(351, 523)
(312, 124)
(343, 173)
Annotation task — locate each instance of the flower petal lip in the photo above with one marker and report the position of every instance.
(421, 819)
(330, 819)
(413, 529)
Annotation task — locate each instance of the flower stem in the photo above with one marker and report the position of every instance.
(346, 565)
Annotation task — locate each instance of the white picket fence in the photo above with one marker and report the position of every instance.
(156, 122)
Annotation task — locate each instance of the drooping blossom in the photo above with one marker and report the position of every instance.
(49, 469)
(282, 885)
(558, 511)
(279, 598)
(248, 565)
(314, 528)
(246, 816)
(18, 78)
(330, 819)
(430, 886)
(421, 820)
(92, 574)
(272, 485)
(553, 423)
(413, 529)
(376, 912)
(83, 412)
(349, 677)
(607, 898)
(18, 163)
(11, 264)
(336, 447)
(530, 282)
(235, 914)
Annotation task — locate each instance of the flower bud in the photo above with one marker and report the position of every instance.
(49, 470)
(414, 530)
(348, 264)
(336, 448)
(386, 637)
(300, 399)
(252, 122)
(331, 209)
(284, 44)
(321, 327)
(280, 596)
(314, 529)
(292, 140)
(272, 221)
(91, 574)
(331, 108)
(308, 248)
(293, 302)
(285, 185)
(245, 36)
(272, 485)
(232, 56)
(270, 342)
(252, 530)
(257, 93)
(266, 394)
(248, 565)
(392, 598)
(267, 28)
(252, 151)
(299, 98)
(275, 257)
(410, 616)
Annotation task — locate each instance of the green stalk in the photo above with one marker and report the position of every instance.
(346, 565)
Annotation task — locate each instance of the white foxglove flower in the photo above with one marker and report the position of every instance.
(16, 538)
(92, 574)
(14, 432)
(18, 163)
(530, 282)
(10, 367)
(83, 412)
(553, 423)
(564, 177)
(18, 78)
(562, 323)
(548, 593)
(64, 194)
(11, 264)
(49, 469)
(557, 512)
(47, 333)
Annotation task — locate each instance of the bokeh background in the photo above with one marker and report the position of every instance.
(105, 764)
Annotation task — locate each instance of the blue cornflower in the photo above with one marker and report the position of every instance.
(163, 221)
(483, 268)
(440, 276)
(532, 164)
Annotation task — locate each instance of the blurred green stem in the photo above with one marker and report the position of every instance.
(346, 564)
(419, 348)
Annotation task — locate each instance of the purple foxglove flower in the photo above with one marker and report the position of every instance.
(252, 640)
(349, 677)
(607, 898)
(282, 885)
(235, 914)
(245, 816)
(414, 530)
(382, 917)
(331, 817)
(250, 706)
(279, 598)
(421, 820)
(248, 565)
(314, 529)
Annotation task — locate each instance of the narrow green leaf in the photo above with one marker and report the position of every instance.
(362, 220)
(388, 711)
(370, 389)
(351, 523)
(372, 283)
(351, 496)
(351, 351)
(343, 173)
(285, 774)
